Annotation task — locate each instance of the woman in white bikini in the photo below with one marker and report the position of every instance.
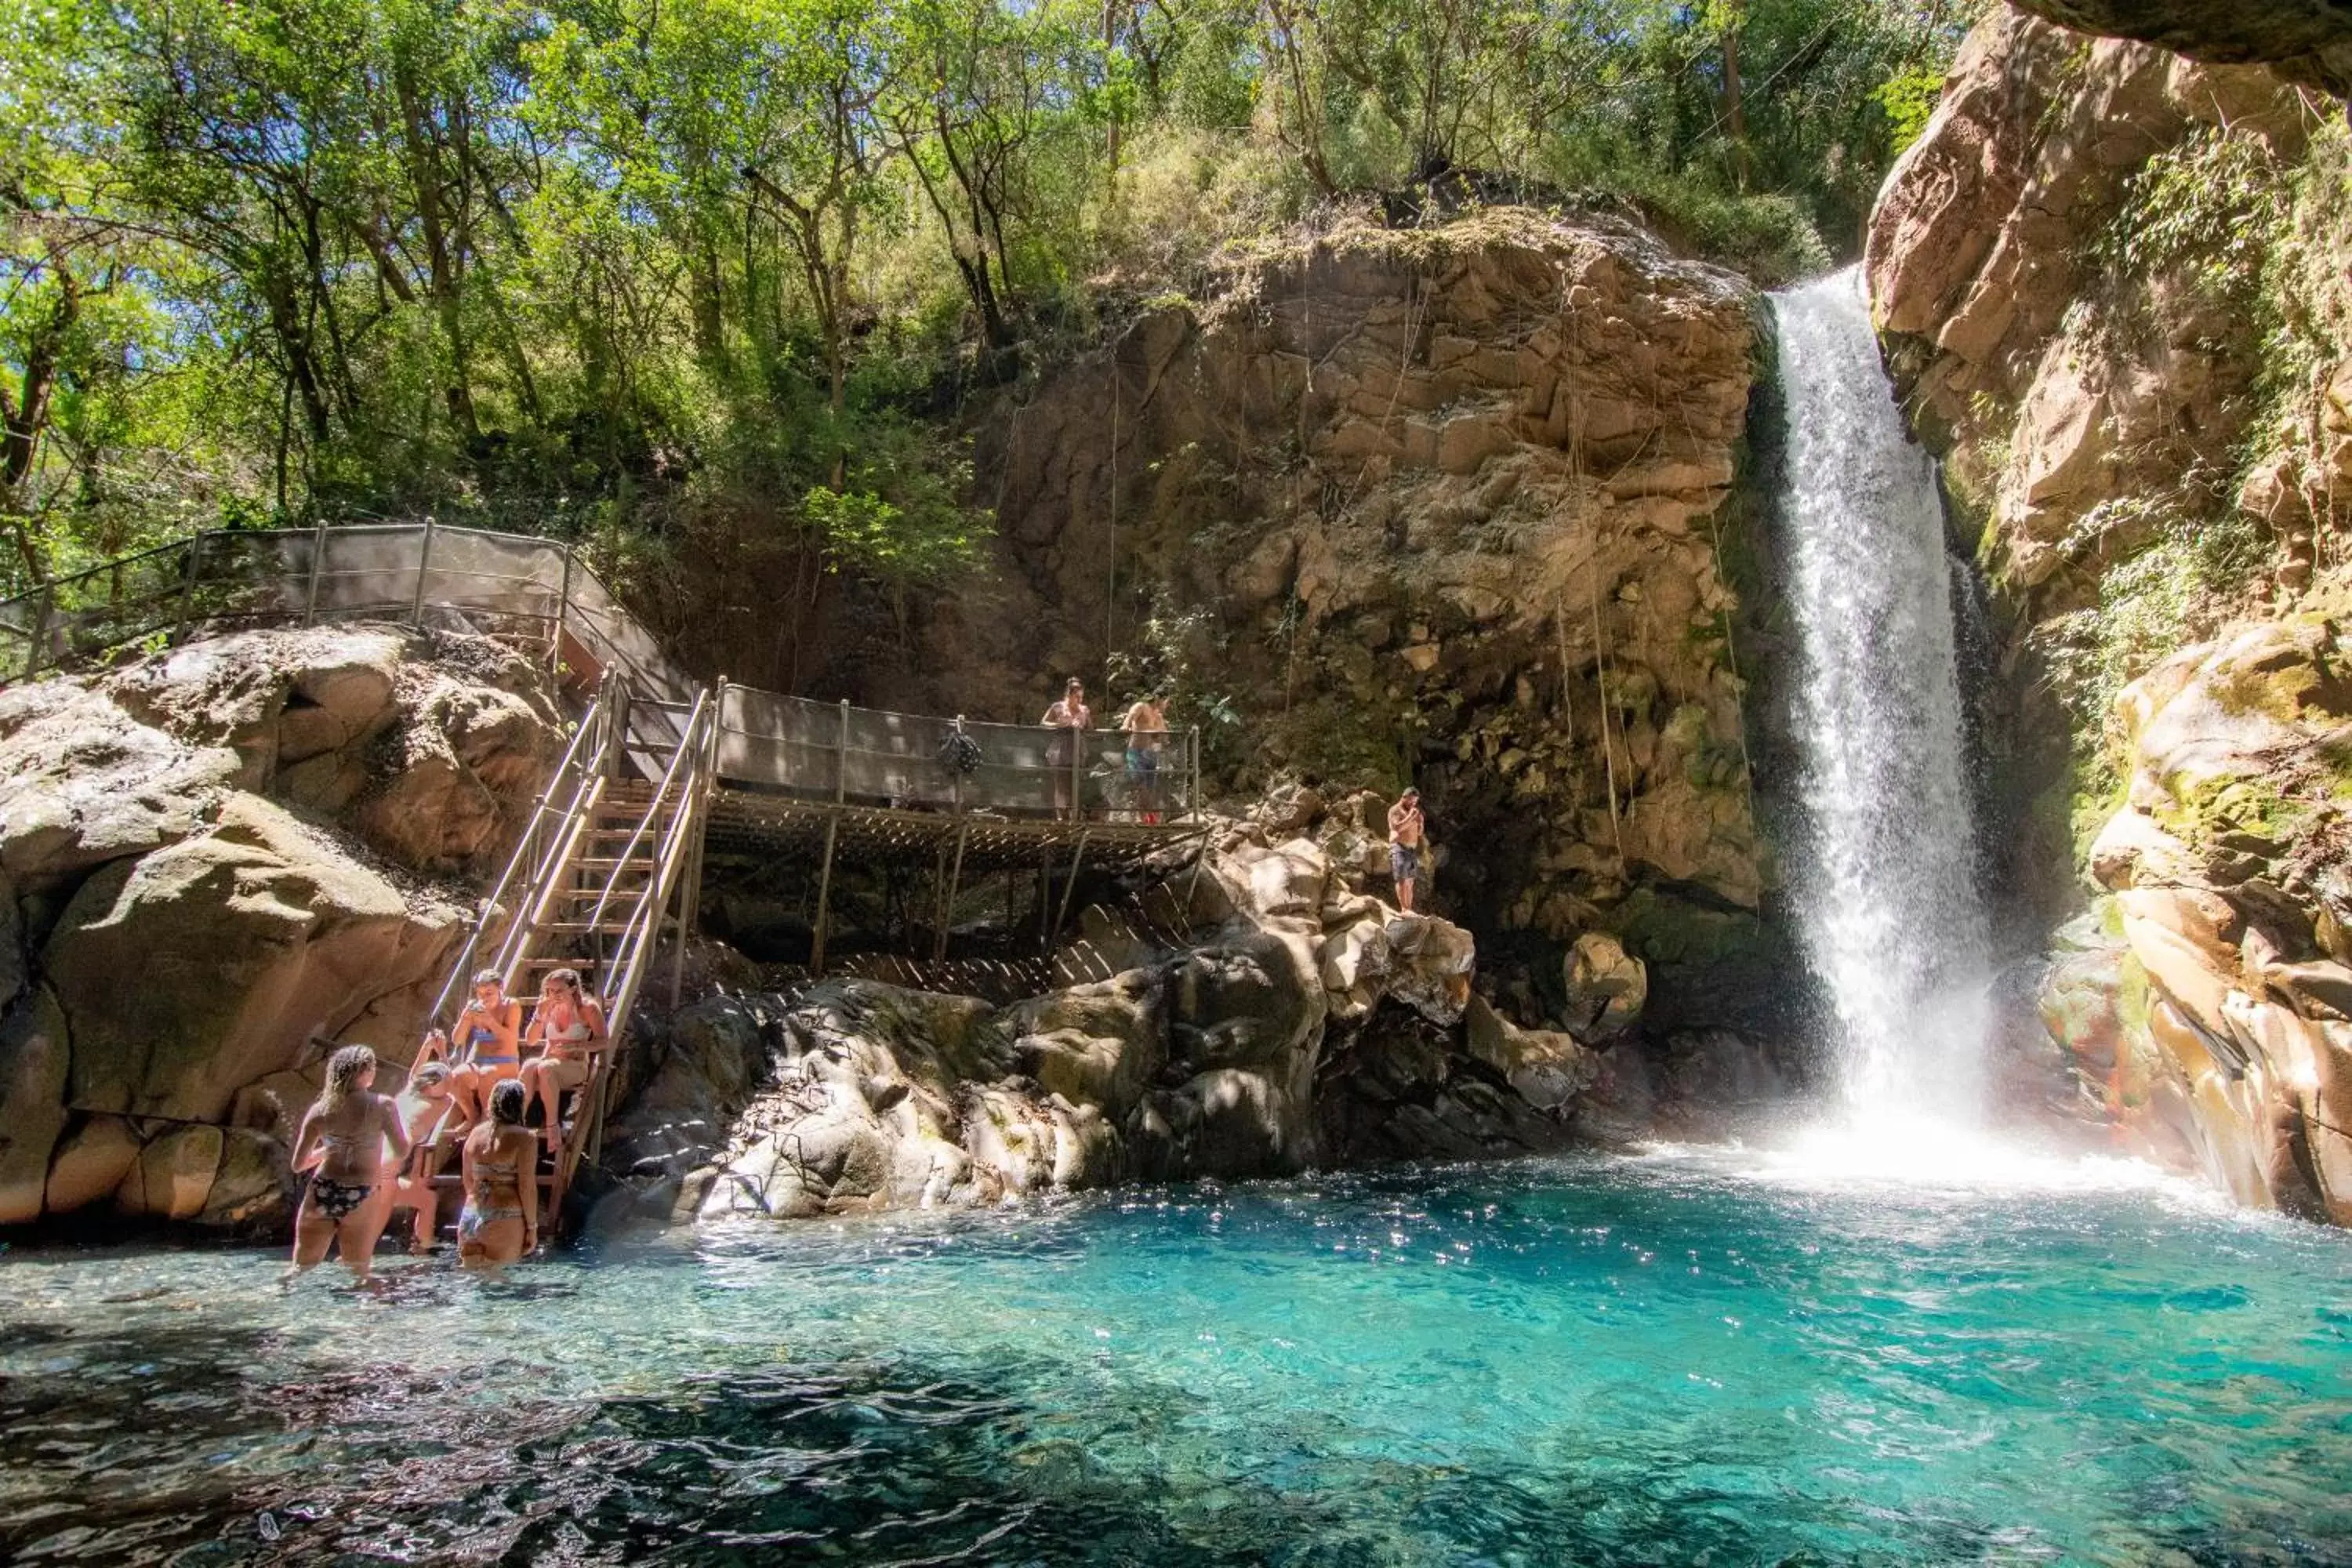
(501, 1220)
(343, 1135)
(569, 1027)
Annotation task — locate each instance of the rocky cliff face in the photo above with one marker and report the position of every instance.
(2110, 281)
(1262, 1018)
(208, 859)
(1445, 504)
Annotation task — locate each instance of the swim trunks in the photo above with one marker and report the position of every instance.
(1404, 861)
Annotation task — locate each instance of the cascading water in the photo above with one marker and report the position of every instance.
(1884, 879)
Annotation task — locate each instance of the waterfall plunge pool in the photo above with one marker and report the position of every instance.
(1694, 1356)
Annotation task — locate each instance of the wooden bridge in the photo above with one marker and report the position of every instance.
(660, 767)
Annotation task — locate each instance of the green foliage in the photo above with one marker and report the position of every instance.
(2210, 205)
(1909, 100)
(706, 279)
(2171, 593)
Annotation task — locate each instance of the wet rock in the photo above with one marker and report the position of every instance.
(1606, 988)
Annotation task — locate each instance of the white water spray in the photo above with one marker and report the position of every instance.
(1884, 878)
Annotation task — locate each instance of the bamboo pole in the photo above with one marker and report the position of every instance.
(946, 910)
(823, 898)
(1069, 891)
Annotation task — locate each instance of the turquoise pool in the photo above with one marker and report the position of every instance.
(1690, 1357)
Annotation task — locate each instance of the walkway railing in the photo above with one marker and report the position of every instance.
(424, 573)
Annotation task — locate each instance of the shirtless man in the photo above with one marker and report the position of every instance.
(1405, 833)
(1146, 725)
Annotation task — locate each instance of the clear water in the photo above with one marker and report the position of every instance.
(1884, 875)
(1690, 1358)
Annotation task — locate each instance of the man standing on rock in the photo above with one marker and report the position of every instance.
(1405, 832)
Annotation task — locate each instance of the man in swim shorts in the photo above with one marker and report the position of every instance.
(1406, 831)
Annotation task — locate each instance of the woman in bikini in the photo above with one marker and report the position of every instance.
(343, 1135)
(486, 1034)
(501, 1220)
(570, 1028)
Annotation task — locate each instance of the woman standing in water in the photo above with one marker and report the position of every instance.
(344, 1136)
(501, 1220)
(570, 1028)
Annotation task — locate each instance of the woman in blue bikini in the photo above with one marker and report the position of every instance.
(345, 1135)
(501, 1220)
(488, 1054)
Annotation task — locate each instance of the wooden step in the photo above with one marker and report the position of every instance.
(613, 863)
(613, 926)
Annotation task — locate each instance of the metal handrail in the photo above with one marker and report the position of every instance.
(625, 972)
(463, 968)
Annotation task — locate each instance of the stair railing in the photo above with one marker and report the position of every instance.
(624, 974)
(535, 859)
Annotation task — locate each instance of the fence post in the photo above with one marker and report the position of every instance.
(424, 564)
(562, 614)
(188, 592)
(841, 758)
(40, 642)
(1078, 777)
(318, 560)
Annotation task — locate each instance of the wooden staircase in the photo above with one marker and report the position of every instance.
(607, 863)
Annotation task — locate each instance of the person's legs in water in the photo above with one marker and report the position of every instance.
(314, 1233)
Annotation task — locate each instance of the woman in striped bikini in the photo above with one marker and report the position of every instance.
(501, 1220)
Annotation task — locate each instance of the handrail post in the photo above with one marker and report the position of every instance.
(616, 733)
(1077, 773)
(424, 564)
(1196, 772)
(317, 563)
(563, 615)
(841, 758)
(41, 617)
(188, 591)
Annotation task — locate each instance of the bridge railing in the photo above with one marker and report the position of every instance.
(872, 757)
(424, 574)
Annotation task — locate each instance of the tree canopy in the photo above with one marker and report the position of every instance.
(645, 269)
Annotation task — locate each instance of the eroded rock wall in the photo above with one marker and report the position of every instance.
(1266, 1017)
(210, 859)
(2111, 284)
(1437, 504)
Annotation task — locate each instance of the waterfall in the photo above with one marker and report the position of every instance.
(1884, 876)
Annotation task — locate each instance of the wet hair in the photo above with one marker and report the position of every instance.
(507, 1103)
(344, 1070)
(490, 977)
(567, 978)
(430, 1073)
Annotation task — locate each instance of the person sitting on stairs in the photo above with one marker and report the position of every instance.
(569, 1027)
(429, 1110)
